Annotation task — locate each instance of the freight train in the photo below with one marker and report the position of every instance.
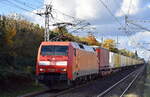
(62, 64)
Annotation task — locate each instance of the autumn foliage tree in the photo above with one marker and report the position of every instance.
(110, 44)
(7, 34)
(128, 53)
(62, 34)
(90, 40)
(19, 41)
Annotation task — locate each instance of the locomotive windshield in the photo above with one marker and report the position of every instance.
(54, 50)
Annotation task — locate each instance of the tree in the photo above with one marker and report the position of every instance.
(10, 32)
(109, 44)
(61, 29)
(136, 54)
(60, 34)
(2, 32)
(92, 40)
(7, 34)
(128, 53)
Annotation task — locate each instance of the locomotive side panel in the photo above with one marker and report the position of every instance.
(85, 63)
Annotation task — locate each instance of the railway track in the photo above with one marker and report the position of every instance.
(52, 93)
(103, 91)
(129, 80)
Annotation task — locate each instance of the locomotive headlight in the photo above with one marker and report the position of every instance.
(41, 69)
(44, 63)
(61, 63)
(63, 70)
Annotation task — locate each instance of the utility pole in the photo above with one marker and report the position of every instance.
(102, 38)
(47, 14)
(126, 21)
(133, 22)
(117, 39)
(123, 28)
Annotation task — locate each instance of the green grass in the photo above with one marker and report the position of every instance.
(23, 90)
(17, 80)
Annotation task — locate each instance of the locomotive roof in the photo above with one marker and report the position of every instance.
(82, 46)
(100, 48)
(55, 43)
(74, 44)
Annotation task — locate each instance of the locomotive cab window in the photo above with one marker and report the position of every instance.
(94, 49)
(81, 46)
(74, 52)
(54, 50)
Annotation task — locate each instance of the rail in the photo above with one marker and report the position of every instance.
(120, 81)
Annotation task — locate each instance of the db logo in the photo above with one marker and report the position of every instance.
(53, 58)
(53, 63)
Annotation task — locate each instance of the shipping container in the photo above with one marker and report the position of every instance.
(123, 61)
(111, 59)
(117, 60)
(103, 57)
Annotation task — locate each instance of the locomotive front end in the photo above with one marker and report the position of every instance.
(52, 63)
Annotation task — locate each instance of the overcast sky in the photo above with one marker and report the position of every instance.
(107, 23)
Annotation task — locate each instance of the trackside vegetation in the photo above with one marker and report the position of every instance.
(19, 42)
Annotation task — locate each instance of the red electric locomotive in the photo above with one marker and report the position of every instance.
(63, 63)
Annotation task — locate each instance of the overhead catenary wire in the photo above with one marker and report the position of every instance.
(18, 4)
(80, 28)
(116, 2)
(142, 21)
(15, 5)
(130, 3)
(24, 4)
(51, 2)
(126, 17)
(146, 29)
(110, 12)
(126, 23)
(141, 27)
(39, 1)
(19, 7)
(74, 18)
(75, 21)
(133, 38)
